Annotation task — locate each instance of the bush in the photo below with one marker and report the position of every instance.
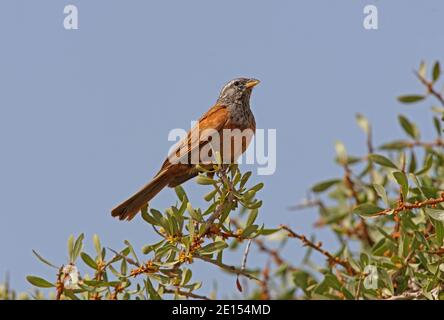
(385, 210)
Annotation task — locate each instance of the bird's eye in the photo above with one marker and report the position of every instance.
(237, 83)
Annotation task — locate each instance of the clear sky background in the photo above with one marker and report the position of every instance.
(85, 114)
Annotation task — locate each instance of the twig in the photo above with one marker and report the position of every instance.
(226, 267)
(59, 284)
(406, 296)
(437, 143)
(244, 263)
(186, 294)
(430, 89)
(307, 204)
(365, 235)
(221, 207)
(118, 254)
(409, 206)
(265, 292)
(274, 255)
(358, 290)
(318, 247)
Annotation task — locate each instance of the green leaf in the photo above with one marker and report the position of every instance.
(409, 127)
(412, 165)
(249, 195)
(204, 180)
(257, 187)
(254, 205)
(146, 216)
(439, 229)
(267, 232)
(148, 248)
(367, 210)
(97, 246)
(166, 223)
(411, 98)
(249, 230)
(436, 71)
(210, 195)
(422, 71)
(437, 124)
(386, 279)
(213, 247)
(237, 178)
(39, 282)
(191, 227)
(131, 249)
(341, 152)
(302, 279)
(123, 267)
(363, 123)
(436, 214)
(437, 109)
(157, 215)
(43, 260)
(78, 245)
(180, 192)
(330, 281)
(153, 294)
(394, 145)
(324, 185)
(88, 260)
(245, 178)
(210, 209)
(70, 247)
(194, 213)
(401, 178)
(381, 160)
(382, 193)
(427, 166)
(186, 276)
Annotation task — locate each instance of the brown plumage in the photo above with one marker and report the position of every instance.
(231, 111)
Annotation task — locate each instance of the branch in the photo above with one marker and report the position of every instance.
(265, 291)
(186, 294)
(406, 296)
(402, 206)
(244, 264)
(307, 204)
(365, 235)
(274, 254)
(437, 143)
(228, 268)
(318, 247)
(220, 208)
(430, 89)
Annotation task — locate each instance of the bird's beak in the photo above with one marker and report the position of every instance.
(251, 83)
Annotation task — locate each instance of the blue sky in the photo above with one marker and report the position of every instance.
(85, 114)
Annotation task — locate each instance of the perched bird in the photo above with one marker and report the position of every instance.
(231, 111)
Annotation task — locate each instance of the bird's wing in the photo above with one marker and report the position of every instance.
(215, 118)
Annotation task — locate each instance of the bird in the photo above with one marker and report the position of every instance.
(230, 112)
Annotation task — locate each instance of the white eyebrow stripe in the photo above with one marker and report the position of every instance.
(228, 85)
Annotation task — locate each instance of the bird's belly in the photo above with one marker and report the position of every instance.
(235, 140)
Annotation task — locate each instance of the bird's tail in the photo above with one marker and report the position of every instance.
(128, 209)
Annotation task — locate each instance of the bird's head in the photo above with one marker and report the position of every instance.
(237, 90)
